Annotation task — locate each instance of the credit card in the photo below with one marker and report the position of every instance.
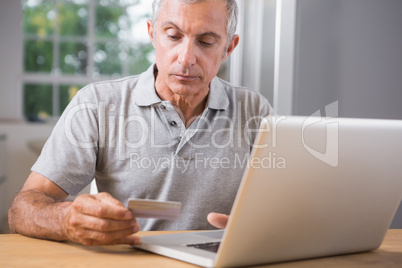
(147, 208)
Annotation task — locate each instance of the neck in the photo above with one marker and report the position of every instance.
(188, 107)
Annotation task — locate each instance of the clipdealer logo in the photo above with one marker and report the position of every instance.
(331, 154)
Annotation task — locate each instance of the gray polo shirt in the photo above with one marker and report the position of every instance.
(136, 146)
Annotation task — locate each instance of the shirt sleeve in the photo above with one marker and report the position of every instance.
(69, 156)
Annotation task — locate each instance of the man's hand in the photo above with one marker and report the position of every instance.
(99, 220)
(218, 220)
(40, 210)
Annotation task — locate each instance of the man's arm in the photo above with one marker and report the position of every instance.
(39, 210)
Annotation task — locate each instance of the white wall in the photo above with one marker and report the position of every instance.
(371, 62)
(2, 179)
(268, 50)
(10, 66)
(350, 51)
(11, 58)
(258, 58)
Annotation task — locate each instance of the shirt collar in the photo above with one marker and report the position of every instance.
(217, 98)
(145, 94)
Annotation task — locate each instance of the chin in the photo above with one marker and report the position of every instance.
(184, 89)
(183, 92)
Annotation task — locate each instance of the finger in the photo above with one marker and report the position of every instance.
(129, 240)
(101, 224)
(218, 220)
(91, 205)
(108, 199)
(107, 237)
(92, 238)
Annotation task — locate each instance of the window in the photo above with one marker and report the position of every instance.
(70, 43)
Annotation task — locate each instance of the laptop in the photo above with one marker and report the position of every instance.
(313, 187)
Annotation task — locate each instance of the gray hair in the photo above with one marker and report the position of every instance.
(232, 14)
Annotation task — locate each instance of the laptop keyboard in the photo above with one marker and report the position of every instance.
(211, 246)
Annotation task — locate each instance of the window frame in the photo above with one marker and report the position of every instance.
(14, 77)
(56, 78)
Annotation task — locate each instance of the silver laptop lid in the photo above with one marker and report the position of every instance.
(315, 187)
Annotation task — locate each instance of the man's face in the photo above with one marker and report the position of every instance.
(190, 42)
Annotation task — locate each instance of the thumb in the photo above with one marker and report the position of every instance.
(218, 220)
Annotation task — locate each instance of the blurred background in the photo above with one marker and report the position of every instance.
(301, 54)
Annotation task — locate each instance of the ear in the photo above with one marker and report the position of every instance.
(151, 31)
(232, 45)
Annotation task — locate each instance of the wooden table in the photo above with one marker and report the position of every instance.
(20, 251)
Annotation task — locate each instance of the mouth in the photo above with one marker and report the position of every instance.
(183, 77)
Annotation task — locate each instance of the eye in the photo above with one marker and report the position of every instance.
(207, 41)
(205, 44)
(173, 37)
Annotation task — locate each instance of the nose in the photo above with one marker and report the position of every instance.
(187, 56)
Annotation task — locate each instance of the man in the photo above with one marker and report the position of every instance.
(175, 132)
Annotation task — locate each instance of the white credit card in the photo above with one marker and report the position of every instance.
(147, 208)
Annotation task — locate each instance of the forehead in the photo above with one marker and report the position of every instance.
(202, 16)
